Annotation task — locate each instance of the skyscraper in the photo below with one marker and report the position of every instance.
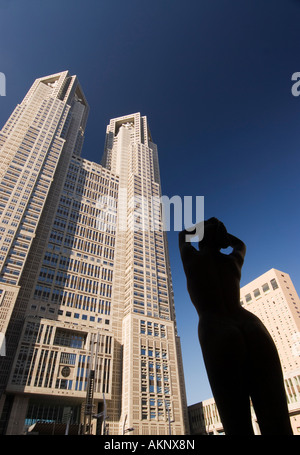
(86, 291)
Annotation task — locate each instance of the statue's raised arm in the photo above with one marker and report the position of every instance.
(240, 356)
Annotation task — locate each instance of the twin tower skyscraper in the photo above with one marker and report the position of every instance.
(87, 315)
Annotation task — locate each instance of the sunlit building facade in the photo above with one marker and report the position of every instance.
(85, 284)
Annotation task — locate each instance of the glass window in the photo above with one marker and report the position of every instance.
(256, 293)
(265, 287)
(69, 338)
(248, 298)
(274, 284)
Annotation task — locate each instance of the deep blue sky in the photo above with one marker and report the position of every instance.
(214, 80)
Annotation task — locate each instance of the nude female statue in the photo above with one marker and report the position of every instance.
(240, 356)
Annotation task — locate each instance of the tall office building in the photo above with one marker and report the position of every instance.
(86, 294)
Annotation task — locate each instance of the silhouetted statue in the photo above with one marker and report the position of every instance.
(240, 356)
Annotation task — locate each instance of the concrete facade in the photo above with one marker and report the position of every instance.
(87, 306)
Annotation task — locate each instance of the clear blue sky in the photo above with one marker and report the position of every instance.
(214, 79)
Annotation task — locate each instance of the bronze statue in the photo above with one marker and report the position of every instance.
(240, 356)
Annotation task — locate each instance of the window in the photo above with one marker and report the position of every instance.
(69, 338)
(143, 328)
(265, 287)
(248, 298)
(274, 284)
(256, 293)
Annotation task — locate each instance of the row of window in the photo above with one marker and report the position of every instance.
(257, 292)
(154, 352)
(152, 329)
(69, 314)
(154, 376)
(74, 299)
(74, 227)
(69, 281)
(93, 174)
(57, 239)
(155, 409)
(62, 278)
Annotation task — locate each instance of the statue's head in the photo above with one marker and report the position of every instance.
(215, 234)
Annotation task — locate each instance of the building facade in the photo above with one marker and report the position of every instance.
(271, 297)
(86, 293)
